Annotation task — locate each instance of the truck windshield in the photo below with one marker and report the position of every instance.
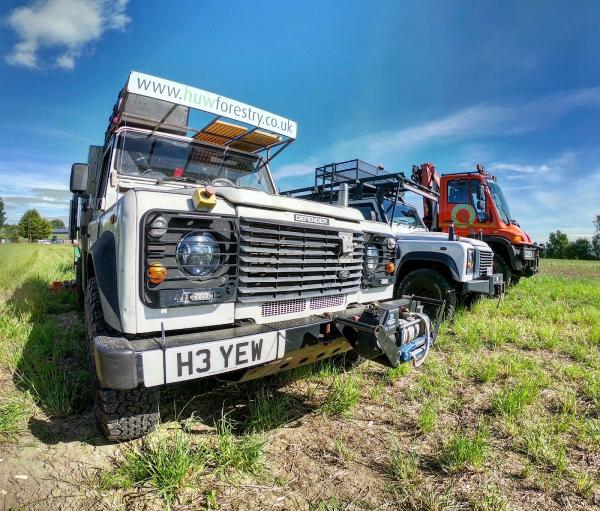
(167, 159)
(500, 201)
(403, 214)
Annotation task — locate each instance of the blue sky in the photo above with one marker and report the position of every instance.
(514, 85)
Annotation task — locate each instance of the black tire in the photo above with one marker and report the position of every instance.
(430, 284)
(121, 414)
(502, 266)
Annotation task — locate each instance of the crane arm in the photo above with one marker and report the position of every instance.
(428, 176)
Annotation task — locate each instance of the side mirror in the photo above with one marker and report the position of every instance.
(79, 177)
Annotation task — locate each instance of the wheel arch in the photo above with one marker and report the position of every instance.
(442, 263)
(504, 248)
(102, 264)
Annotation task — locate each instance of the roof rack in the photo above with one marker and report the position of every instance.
(364, 180)
(162, 105)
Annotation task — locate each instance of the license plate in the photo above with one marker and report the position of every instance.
(215, 357)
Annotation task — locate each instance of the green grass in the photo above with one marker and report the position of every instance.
(14, 412)
(268, 410)
(343, 396)
(404, 466)
(393, 374)
(44, 351)
(513, 399)
(163, 461)
(243, 453)
(530, 365)
(491, 500)
(170, 460)
(544, 447)
(463, 450)
(428, 417)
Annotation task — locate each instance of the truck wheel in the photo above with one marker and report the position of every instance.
(121, 414)
(501, 266)
(430, 284)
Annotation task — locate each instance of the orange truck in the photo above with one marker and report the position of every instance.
(472, 204)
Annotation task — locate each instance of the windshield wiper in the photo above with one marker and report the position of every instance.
(184, 179)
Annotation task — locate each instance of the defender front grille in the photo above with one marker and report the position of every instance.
(283, 261)
(486, 260)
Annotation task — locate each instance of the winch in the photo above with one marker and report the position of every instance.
(391, 333)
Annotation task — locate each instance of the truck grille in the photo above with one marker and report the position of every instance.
(486, 260)
(284, 261)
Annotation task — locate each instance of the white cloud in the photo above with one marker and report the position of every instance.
(61, 29)
(468, 125)
(567, 161)
(29, 183)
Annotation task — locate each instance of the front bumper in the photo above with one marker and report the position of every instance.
(528, 260)
(122, 363)
(492, 285)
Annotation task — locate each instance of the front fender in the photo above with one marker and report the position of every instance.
(444, 259)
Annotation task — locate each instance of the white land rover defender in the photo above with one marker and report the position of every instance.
(431, 264)
(192, 266)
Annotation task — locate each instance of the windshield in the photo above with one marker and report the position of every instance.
(167, 159)
(403, 214)
(500, 201)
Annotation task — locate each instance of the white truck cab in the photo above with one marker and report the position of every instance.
(192, 266)
(436, 265)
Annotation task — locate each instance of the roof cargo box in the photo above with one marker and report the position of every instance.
(144, 112)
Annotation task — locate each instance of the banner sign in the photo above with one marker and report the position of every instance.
(216, 104)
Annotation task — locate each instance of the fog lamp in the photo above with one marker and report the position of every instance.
(156, 273)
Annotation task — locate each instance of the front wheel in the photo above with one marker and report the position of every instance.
(430, 284)
(121, 414)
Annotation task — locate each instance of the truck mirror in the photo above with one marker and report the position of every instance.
(79, 177)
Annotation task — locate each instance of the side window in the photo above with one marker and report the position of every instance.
(478, 200)
(458, 191)
(104, 171)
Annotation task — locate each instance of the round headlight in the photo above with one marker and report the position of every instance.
(372, 257)
(391, 242)
(197, 254)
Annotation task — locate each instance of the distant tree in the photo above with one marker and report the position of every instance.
(33, 227)
(581, 248)
(597, 223)
(557, 245)
(57, 223)
(2, 213)
(596, 246)
(10, 232)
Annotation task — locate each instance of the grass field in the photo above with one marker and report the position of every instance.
(505, 414)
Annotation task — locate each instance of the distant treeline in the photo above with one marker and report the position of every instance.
(560, 247)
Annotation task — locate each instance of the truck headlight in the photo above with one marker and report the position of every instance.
(391, 242)
(529, 253)
(470, 260)
(197, 254)
(372, 258)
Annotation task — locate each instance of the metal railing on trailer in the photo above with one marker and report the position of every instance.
(364, 180)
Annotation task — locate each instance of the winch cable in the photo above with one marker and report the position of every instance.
(421, 359)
